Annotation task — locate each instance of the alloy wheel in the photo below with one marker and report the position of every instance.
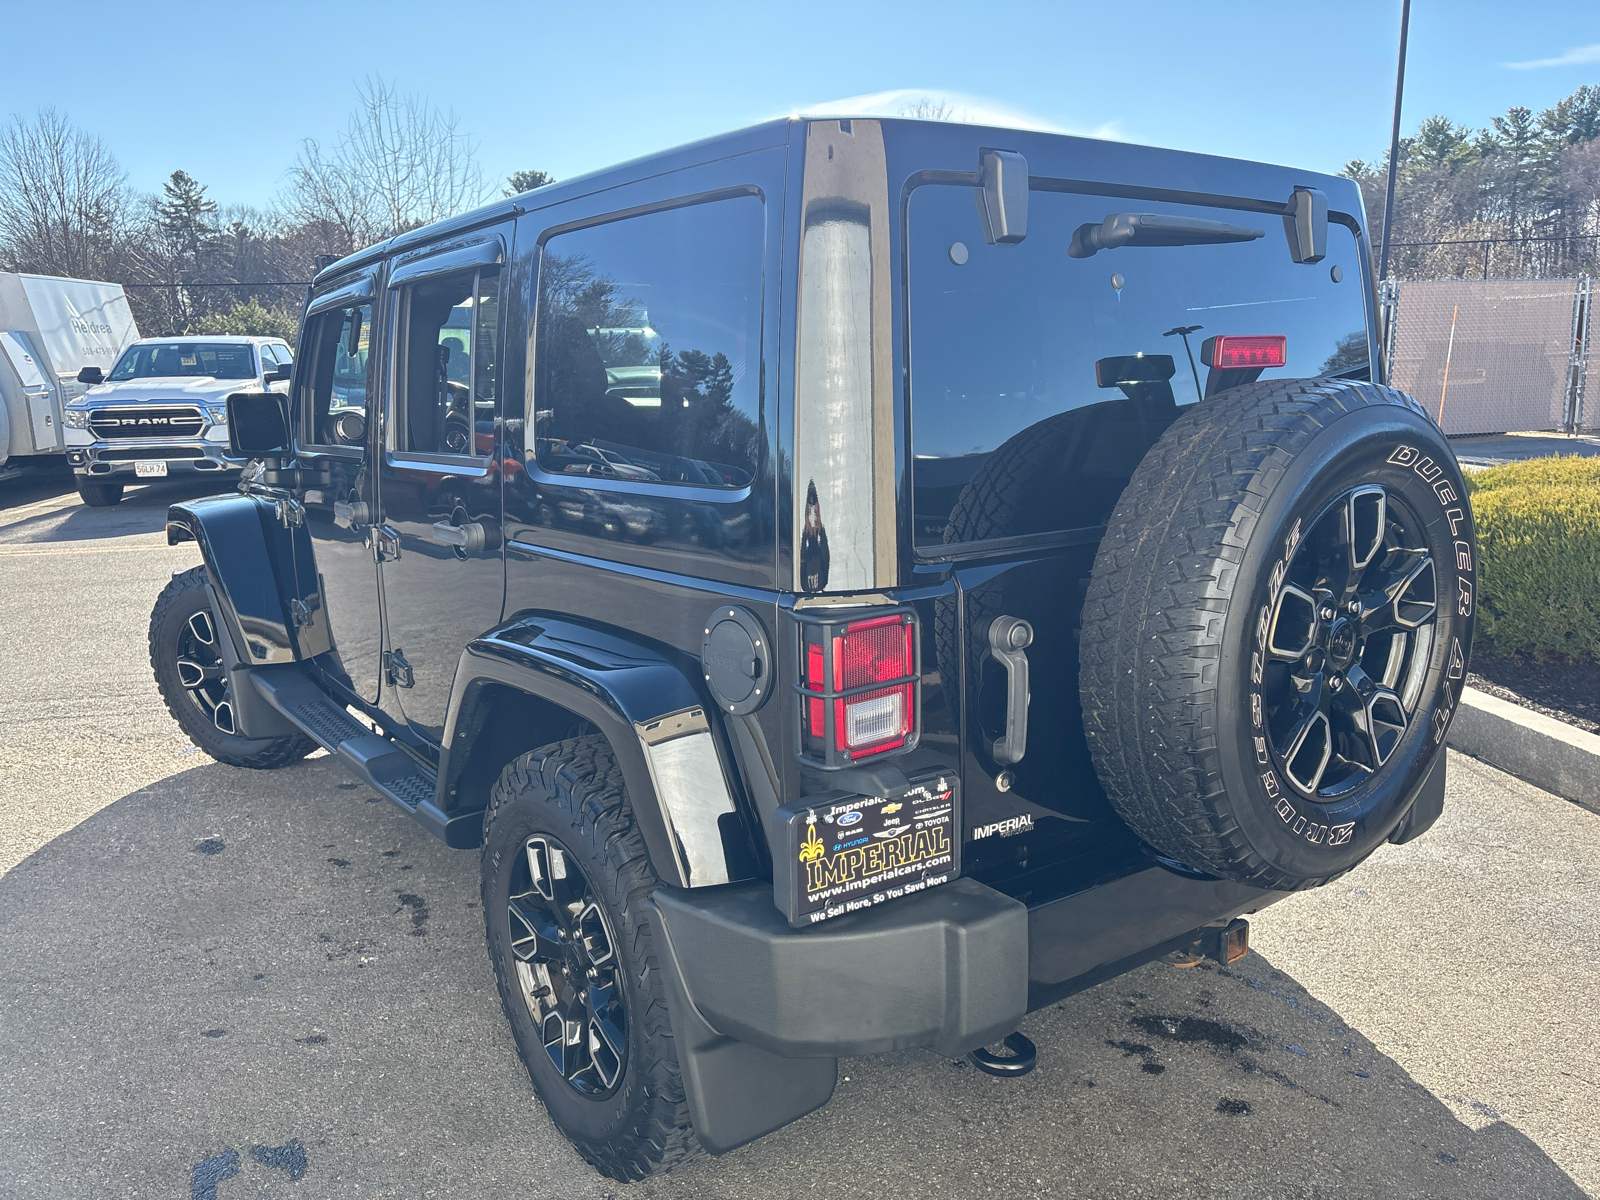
(567, 968)
(1349, 638)
(200, 670)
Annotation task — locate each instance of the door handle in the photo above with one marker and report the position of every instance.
(348, 516)
(469, 537)
(385, 544)
(1009, 638)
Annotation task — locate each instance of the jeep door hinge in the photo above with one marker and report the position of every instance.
(290, 514)
(385, 544)
(301, 613)
(396, 670)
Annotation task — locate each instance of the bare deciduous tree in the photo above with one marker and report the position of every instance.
(401, 162)
(64, 200)
(927, 108)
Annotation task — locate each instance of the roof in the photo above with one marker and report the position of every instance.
(232, 339)
(1139, 165)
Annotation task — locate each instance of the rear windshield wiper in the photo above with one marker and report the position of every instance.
(1154, 229)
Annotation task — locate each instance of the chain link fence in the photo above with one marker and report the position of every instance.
(1493, 356)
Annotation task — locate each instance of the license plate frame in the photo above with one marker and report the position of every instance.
(150, 469)
(896, 845)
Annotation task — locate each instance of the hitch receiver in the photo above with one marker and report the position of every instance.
(1227, 944)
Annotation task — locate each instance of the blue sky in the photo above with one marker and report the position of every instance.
(227, 92)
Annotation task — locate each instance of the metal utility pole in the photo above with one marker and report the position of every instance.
(1394, 142)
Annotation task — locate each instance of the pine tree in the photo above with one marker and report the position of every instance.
(526, 181)
(188, 218)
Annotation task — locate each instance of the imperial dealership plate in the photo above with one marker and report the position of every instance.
(848, 852)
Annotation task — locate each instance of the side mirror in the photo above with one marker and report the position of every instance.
(278, 374)
(258, 424)
(1305, 223)
(1002, 196)
(91, 376)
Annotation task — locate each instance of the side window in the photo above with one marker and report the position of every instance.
(446, 373)
(335, 406)
(284, 353)
(647, 354)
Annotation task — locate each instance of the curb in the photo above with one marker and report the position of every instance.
(1537, 749)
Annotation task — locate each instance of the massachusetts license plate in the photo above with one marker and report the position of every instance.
(847, 853)
(150, 470)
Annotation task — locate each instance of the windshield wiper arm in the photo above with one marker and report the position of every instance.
(1154, 229)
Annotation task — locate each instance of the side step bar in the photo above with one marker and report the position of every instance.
(369, 756)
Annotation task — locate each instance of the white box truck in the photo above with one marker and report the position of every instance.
(50, 329)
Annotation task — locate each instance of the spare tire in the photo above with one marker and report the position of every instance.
(1276, 630)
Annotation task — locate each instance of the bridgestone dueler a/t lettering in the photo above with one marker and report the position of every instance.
(1277, 628)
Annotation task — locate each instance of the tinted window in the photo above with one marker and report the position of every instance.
(215, 360)
(338, 342)
(448, 364)
(1048, 375)
(648, 351)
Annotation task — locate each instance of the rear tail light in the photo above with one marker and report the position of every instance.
(1235, 352)
(860, 685)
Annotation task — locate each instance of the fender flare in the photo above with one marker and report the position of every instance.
(697, 835)
(255, 561)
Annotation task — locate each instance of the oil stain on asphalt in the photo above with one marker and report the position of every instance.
(290, 1157)
(211, 846)
(419, 912)
(209, 1172)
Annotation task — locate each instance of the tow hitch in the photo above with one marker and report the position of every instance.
(1023, 1058)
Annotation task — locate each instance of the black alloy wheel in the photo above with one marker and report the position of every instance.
(1350, 638)
(571, 928)
(567, 967)
(186, 656)
(198, 661)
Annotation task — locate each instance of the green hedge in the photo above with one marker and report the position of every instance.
(1539, 556)
(1539, 472)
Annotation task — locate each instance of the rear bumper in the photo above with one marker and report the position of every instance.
(946, 969)
(950, 970)
(761, 1012)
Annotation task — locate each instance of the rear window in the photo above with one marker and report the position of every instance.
(1037, 371)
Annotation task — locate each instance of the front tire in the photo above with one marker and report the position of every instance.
(188, 664)
(99, 495)
(566, 901)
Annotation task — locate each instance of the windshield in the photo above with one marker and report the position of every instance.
(1031, 352)
(177, 360)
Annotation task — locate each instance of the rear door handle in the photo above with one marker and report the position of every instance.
(469, 537)
(1009, 638)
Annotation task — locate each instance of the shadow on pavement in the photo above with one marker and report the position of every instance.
(143, 509)
(237, 975)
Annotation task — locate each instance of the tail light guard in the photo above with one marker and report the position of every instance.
(859, 690)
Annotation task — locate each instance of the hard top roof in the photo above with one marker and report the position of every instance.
(1091, 158)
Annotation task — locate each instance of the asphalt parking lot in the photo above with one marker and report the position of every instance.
(220, 983)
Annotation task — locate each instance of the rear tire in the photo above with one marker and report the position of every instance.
(194, 687)
(618, 1094)
(99, 495)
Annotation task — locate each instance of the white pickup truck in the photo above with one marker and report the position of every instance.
(49, 330)
(162, 409)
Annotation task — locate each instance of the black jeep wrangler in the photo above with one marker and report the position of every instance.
(854, 582)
